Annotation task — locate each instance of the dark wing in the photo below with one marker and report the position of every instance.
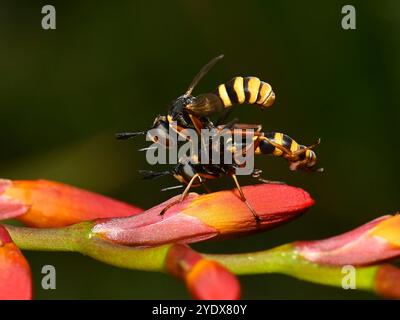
(205, 105)
(202, 73)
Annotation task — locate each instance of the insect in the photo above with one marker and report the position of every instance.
(239, 90)
(188, 111)
(192, 173)
(300, 157)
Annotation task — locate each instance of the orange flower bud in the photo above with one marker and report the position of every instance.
(205, 279)
(44, 204)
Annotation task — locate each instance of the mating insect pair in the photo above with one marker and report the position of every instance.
(192, 112)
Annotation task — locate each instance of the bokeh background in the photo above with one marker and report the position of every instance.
(110, 67)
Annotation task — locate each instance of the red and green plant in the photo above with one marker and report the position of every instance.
(58, 217)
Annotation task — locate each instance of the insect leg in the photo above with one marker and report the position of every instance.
(205, 187)
(257, 175)
(231, 124)
(244, 126)
(189, 185)
(243, 198)
(225, 114)
(169, 206)
(270, 181)
(183, 195)
(278, 146)
(301, 151)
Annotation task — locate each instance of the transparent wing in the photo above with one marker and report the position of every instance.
(205, 105)
(202, 73)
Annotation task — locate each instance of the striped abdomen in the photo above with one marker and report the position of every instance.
(270, 142)
(251, 90)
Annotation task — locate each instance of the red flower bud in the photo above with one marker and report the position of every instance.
(15, 275)
(373, 242)
(218, 214)
(387, 281)
(205, 279)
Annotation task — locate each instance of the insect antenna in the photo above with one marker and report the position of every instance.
(171, 188)
(128, 135)
(202, 73)
(148, 148)
(230, 124)
(148, 174)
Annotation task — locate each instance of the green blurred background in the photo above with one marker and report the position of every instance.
(110, 67)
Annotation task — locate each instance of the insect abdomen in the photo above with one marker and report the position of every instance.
(269, 143)
(277, 138)
(251, 90)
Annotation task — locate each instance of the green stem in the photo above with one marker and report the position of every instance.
(78, 238)
(283, 259)
(54, 239)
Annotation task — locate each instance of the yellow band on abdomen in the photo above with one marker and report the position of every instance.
(223, 94)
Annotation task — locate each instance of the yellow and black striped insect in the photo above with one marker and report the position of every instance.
(239, 90)
(300, 157)
(188, 111)
(193, 173)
